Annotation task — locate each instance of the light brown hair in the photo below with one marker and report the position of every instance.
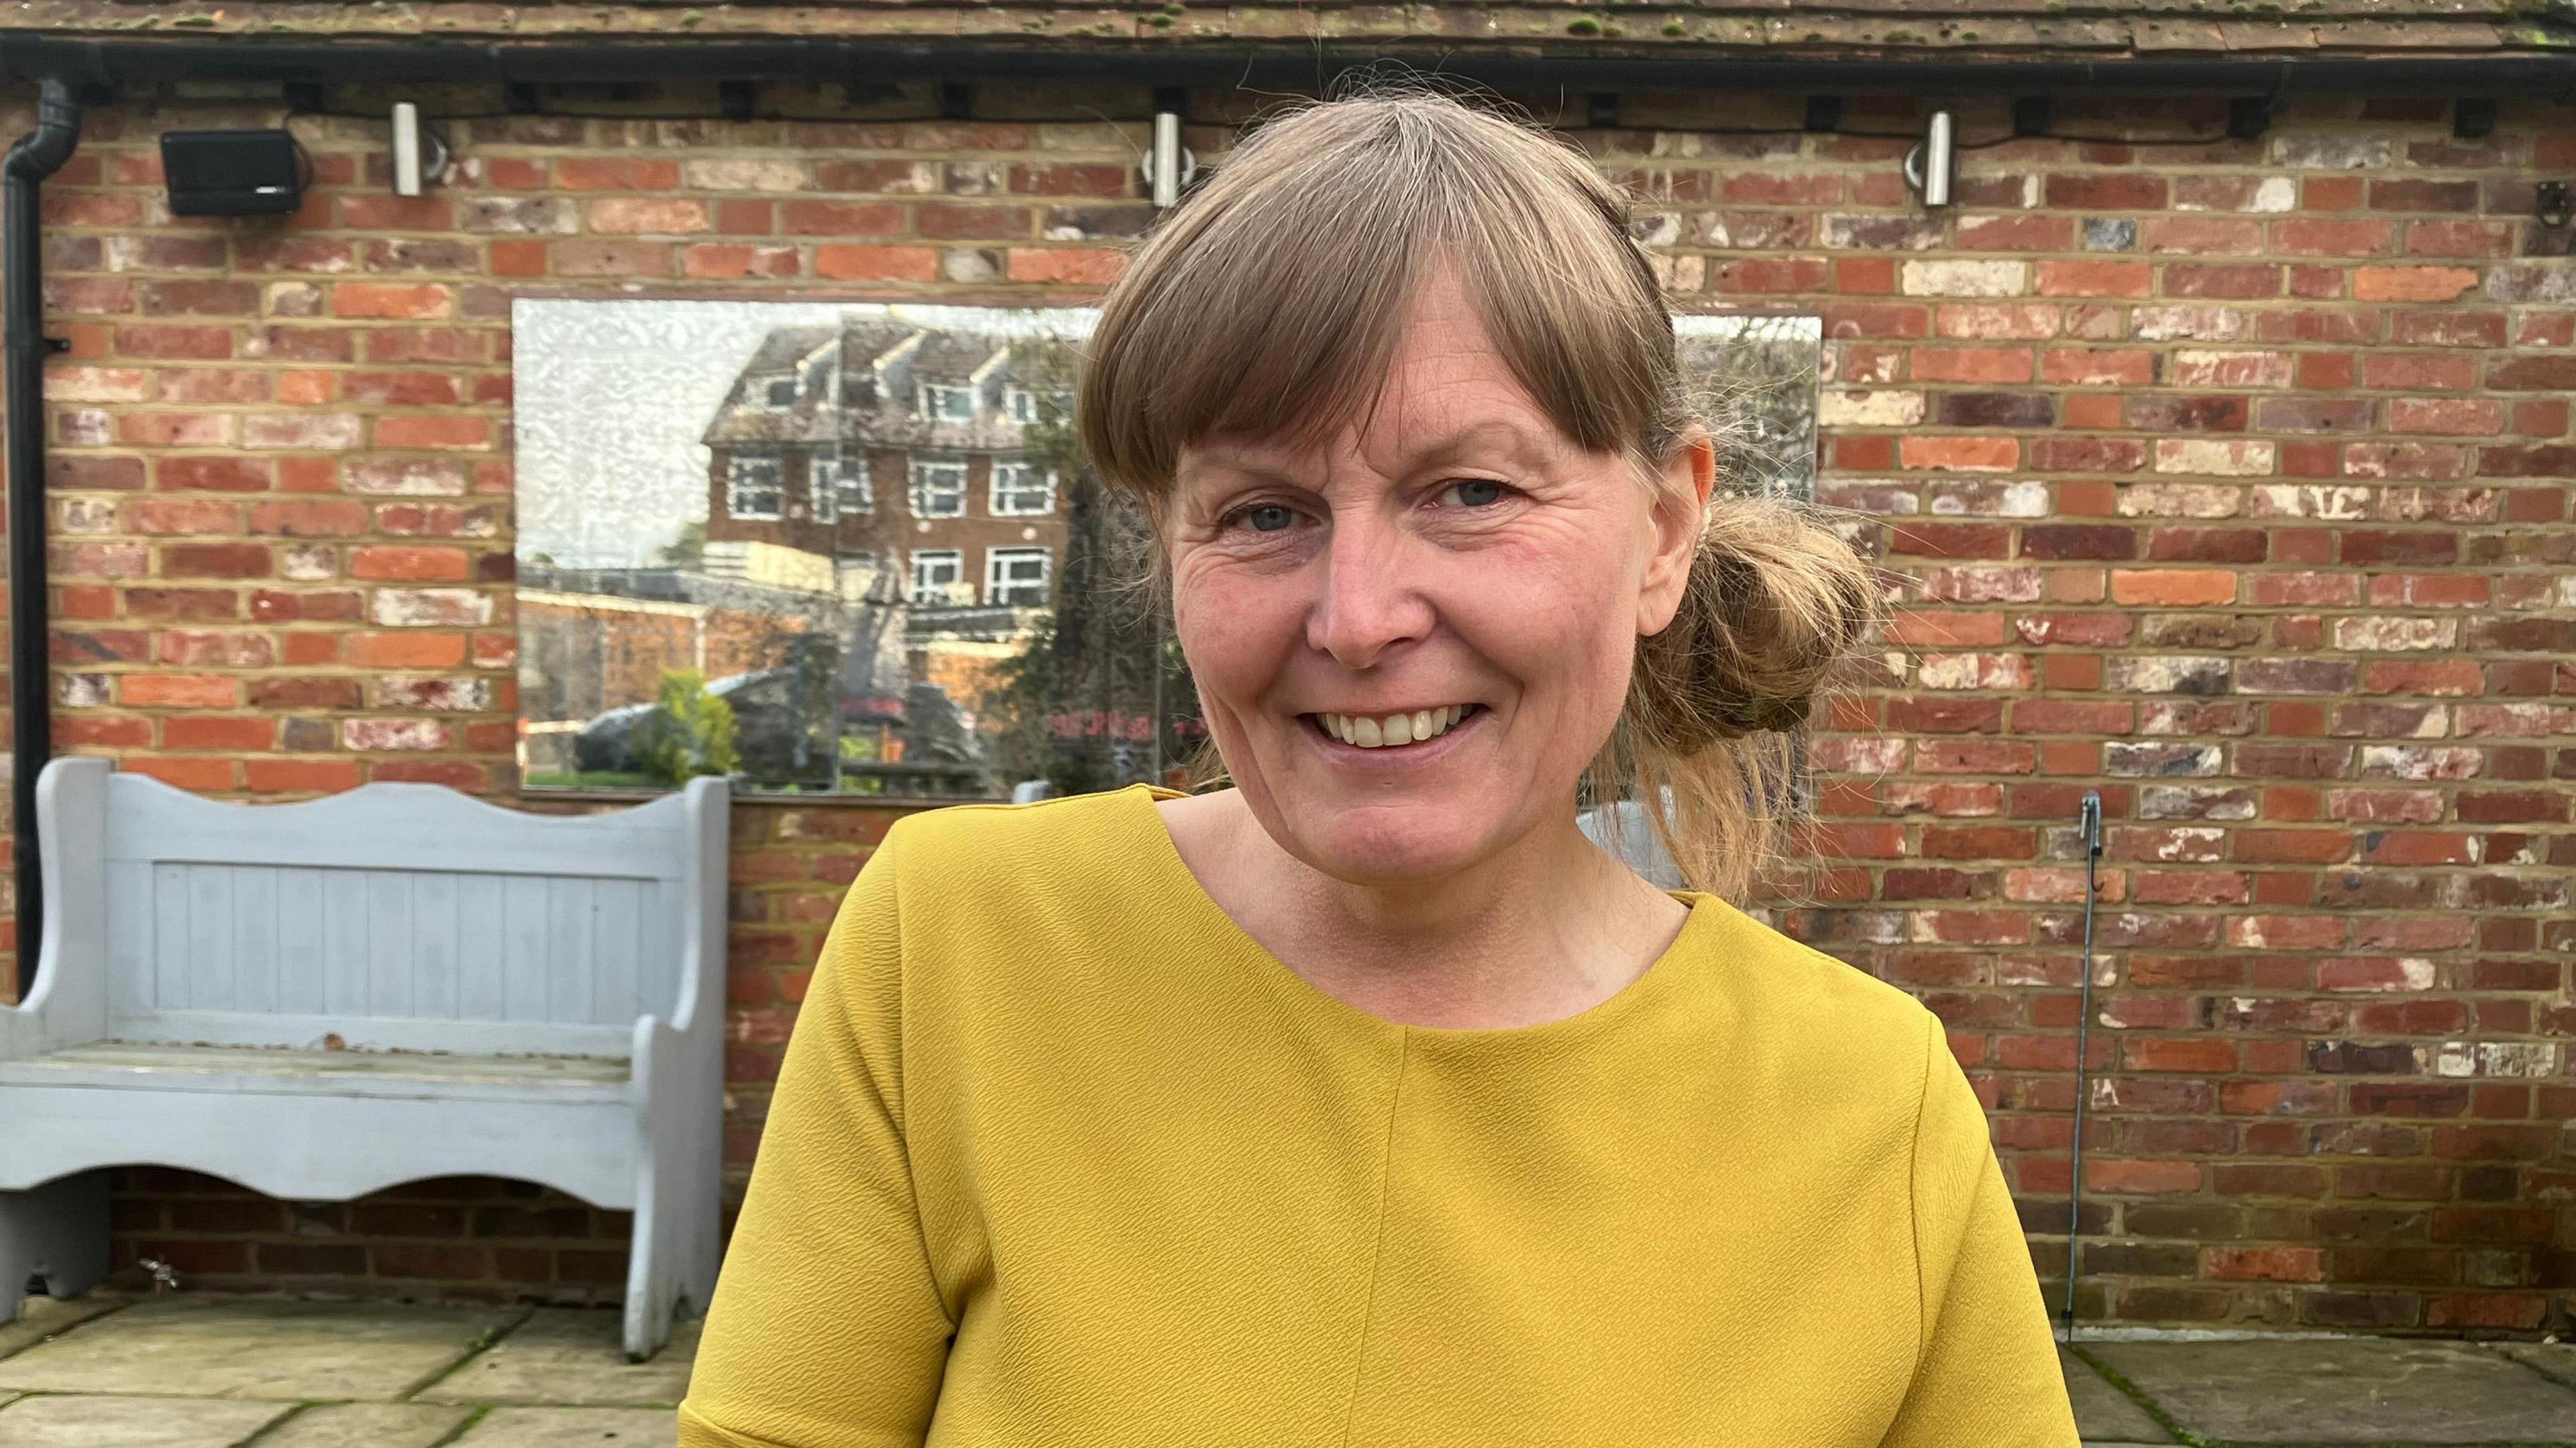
(1268, 305)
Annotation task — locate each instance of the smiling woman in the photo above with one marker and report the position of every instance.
(1365, 1100)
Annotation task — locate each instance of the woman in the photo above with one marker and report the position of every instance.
(1367, 1101)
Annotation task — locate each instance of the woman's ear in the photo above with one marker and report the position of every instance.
(1680, 515)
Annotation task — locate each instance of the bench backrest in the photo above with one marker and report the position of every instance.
(404, 916)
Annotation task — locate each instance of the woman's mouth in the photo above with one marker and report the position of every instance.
(1392, 731)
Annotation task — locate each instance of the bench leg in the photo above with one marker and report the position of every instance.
(672, 1268)
(648, 1287)
(56, 1232)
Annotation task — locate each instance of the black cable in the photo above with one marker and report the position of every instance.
(2089, 827)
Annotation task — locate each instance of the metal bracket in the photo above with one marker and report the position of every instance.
(2552, 204)
(2249, 117)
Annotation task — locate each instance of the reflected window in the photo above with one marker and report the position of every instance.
(754, 485)
(846, 469)
(780, 392)
(939, 487)
(1017, 577)
(948, 404)
(939, 578)
(1022, 490)
(821, 496)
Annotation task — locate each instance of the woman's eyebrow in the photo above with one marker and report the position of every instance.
(1236, 462)
(1259, 463)
(1509, 436)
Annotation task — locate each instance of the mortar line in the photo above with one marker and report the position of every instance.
(2497, 1350)
(483, 1342)
(474, 1414)
(77, 1324)
(280, 1421)
(2173, 1426)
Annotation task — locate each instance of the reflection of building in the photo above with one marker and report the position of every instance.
(844, 452)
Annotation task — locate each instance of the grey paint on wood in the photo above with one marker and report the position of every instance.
(322, 999)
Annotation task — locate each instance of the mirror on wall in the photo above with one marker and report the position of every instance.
(851, 548)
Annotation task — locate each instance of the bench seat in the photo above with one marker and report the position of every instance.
(261, 1070)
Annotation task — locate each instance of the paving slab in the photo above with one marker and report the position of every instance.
(119, 1422)
(248, 1347)
(2102, 1411)
(2344, 1391)
(366, 1425)
(568, 1356)
(2554, 1360)
(42, 1317)
(574, 1428)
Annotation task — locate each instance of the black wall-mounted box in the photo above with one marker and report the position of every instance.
(232, 173)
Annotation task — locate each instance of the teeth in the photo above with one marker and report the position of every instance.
(1393, 729)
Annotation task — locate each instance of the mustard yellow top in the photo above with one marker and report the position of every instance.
(1061, 1158)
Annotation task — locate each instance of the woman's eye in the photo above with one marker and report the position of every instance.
(1266, 518)
(1477, 492)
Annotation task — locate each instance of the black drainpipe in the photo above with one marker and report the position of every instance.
(38, 154)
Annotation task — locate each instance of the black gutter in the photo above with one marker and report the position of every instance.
(34, 54)
(38, 154)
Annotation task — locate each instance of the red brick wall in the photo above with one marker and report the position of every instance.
(2229, 480)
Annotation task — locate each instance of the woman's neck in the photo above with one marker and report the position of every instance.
(1550, 927)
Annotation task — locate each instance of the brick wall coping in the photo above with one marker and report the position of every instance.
(2093, 29)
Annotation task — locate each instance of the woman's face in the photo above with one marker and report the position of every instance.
(1409, 643)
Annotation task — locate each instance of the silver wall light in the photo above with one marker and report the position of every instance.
(1929, 165)
(1169, 166)
(420, 157)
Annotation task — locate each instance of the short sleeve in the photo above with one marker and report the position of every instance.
(1987, 1372)
(827, 1329)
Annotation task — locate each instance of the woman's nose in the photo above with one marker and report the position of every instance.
(1371, 601)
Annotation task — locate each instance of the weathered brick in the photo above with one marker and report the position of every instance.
(2215, 457)
(1964, 278)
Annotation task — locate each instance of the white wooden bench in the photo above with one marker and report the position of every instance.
(318, 1000)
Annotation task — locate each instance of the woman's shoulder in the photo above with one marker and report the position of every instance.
(1000, 853)
(1839, 1016)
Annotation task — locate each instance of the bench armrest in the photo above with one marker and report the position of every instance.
(701, 1003)
(68, 1004)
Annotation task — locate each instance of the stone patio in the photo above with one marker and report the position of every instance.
(207, 1371)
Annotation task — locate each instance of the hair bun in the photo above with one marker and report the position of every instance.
(1766, 715)
(1773, 606)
